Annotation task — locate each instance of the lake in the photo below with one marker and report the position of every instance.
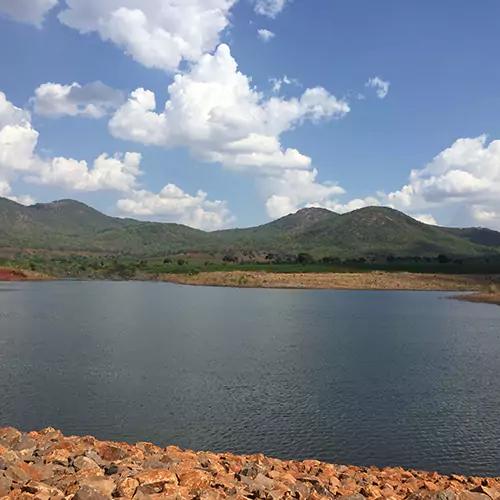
(357, 377)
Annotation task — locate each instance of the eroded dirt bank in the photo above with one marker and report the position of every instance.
(46, 465)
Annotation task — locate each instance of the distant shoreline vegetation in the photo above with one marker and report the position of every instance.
(89, 266)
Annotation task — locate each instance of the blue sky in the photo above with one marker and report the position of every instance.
(255, 127)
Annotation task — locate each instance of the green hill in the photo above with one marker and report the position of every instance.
(72, 226)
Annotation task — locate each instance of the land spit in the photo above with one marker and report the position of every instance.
(376, 280)
(46, 465)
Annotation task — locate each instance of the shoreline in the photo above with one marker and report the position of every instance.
(376, 280)
(46, 465)
(476, 288)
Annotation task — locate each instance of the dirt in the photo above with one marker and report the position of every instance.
(7, 274)
(485, 298)
(337, 281)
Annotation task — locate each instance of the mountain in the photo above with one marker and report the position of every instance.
(71, 225)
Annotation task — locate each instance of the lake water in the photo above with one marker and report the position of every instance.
(368, 378)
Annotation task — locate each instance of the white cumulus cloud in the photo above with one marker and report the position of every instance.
(214, 111)
(381, 87)
(93, 100)
(156, 33)
(18, 141)
(425, 218)
(269, 8)
(118, 173)
(295, 189)
(27, 11)
(178, 206)
(466, 175)
(266, 35)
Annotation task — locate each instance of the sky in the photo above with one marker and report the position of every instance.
(231, 113)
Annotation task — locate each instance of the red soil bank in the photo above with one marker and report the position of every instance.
(11, 275)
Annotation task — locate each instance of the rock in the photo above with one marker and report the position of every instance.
(252, 469)
(101, 484)
(5, 485)
(111, 470)
(8, 436)
(58, 456)
(195, 480)
(470, 495)
(110, 452)
(87, 493)
(445, 495)
(17, 474)
(127, 487)
(162, 476)
(84, 462)
(84, 473)
(493, 493)
(356, 496)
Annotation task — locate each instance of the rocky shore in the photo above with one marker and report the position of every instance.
(46, 465)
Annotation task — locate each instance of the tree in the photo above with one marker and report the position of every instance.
(443, 259)
(181, 262)
(305, 258)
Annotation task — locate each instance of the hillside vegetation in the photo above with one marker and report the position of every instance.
(69, 225)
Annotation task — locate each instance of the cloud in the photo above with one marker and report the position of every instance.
(381, 87)
(266, 35)
(27, 11)
(18, 141)
(93, 100)
(295, 189)
(18, 159)
(278, 83)
(172, 202)
(269, 8)
(17, 138)
(215, 112)
(466, 175)
(155, 33)
(118, 173)
(425, 218)
(6, 190)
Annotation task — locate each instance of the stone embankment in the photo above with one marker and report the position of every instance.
(46, 465)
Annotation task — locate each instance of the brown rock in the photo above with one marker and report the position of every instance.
(445, 495)
(58, 456)
(81, 474)
(5, 485)
(493, 493)
(101, 484)
(195, 480)
(356, 496)
(17, 474)
(162, 476)
(110, 452)
(87, 493)
(470, 495)
(252, 469)
(210, 495)
(8, 436)
(431, 486)
(83, 462)
(127, 487)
